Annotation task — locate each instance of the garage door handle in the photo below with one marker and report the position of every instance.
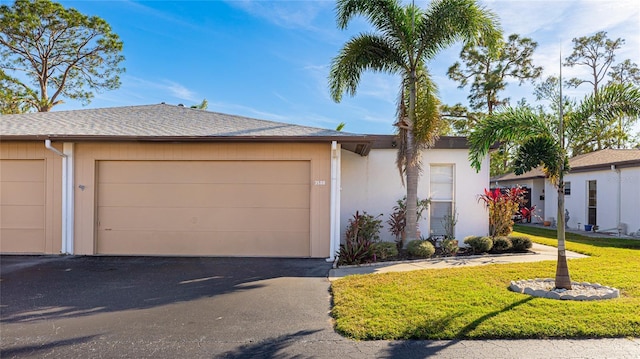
(107, 229)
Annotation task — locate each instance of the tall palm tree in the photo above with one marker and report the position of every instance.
(541, 142)
(406, 37)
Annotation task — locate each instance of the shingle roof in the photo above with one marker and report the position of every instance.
(152, 121)
(592, 161)
(606, 158)
(534, 173)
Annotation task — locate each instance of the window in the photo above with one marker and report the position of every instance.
(567, 188)
(441, 186)
(592, 202)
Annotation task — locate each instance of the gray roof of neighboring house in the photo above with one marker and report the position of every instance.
(593, 161)
(603, 159)
(153, 121)
(534, 173)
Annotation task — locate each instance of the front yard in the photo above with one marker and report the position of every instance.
(474, 302)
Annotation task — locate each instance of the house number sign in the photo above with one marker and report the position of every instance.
(319, 183)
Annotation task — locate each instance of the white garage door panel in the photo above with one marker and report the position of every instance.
(230, 208)
(22, 206)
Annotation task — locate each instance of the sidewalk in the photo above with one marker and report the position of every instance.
(580, 231)
(539, 253)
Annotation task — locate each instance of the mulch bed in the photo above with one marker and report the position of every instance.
(403, 255)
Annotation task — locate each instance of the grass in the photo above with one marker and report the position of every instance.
(474, 302)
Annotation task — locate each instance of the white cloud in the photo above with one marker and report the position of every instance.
(527, 17)
(161, 89)
(248, 111)
(287, 14)
(179, 91)
(594, 16)
(380, 87)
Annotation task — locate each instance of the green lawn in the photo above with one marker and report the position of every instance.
(474, 302)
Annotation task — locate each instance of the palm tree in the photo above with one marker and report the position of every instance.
(541, 142)
(406, 37)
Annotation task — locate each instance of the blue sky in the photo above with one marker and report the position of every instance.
(270, 59)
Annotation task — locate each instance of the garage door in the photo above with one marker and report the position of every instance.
(22, 206)
(204, 208)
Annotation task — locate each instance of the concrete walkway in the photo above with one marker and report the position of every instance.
(538, 253)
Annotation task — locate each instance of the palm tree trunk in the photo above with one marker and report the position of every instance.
(563, 280)
(412, 164)
(562, 270)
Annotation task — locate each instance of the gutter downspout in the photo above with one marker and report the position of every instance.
(67, 194)
(335, 202)
(47, 145)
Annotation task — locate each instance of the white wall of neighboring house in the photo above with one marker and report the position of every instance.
(373, 184)
(618, 194)
(630, 207)
(537, 188)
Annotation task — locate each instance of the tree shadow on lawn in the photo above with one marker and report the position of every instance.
(426, 348)
(85, 285)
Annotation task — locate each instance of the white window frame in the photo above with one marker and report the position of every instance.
(436, 200)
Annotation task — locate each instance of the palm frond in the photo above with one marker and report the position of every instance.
(598, 115)
(611, 102)
(540, 151)
(448, 21)
(427, 121)
(361, 53)
(386, 16)
(505, 125)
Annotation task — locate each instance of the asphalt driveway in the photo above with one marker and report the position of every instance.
(133, 307)
(160, 307)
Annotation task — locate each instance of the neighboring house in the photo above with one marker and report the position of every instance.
(534, 183)
(602, 188)
(170, 180)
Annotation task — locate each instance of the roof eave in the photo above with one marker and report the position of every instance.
(357, 144)
(443, 142)
(605, 166)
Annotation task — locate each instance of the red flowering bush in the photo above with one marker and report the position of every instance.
(503, 204)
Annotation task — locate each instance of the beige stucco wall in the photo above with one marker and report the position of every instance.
(52, 191)
(87, 154)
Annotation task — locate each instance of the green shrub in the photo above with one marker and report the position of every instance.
(520, 243)
(501, 244)
(362, 232)
(385, 250)
(355, 252)
(479, 244)
(419, 248)
(450, 247)
(364, 226)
